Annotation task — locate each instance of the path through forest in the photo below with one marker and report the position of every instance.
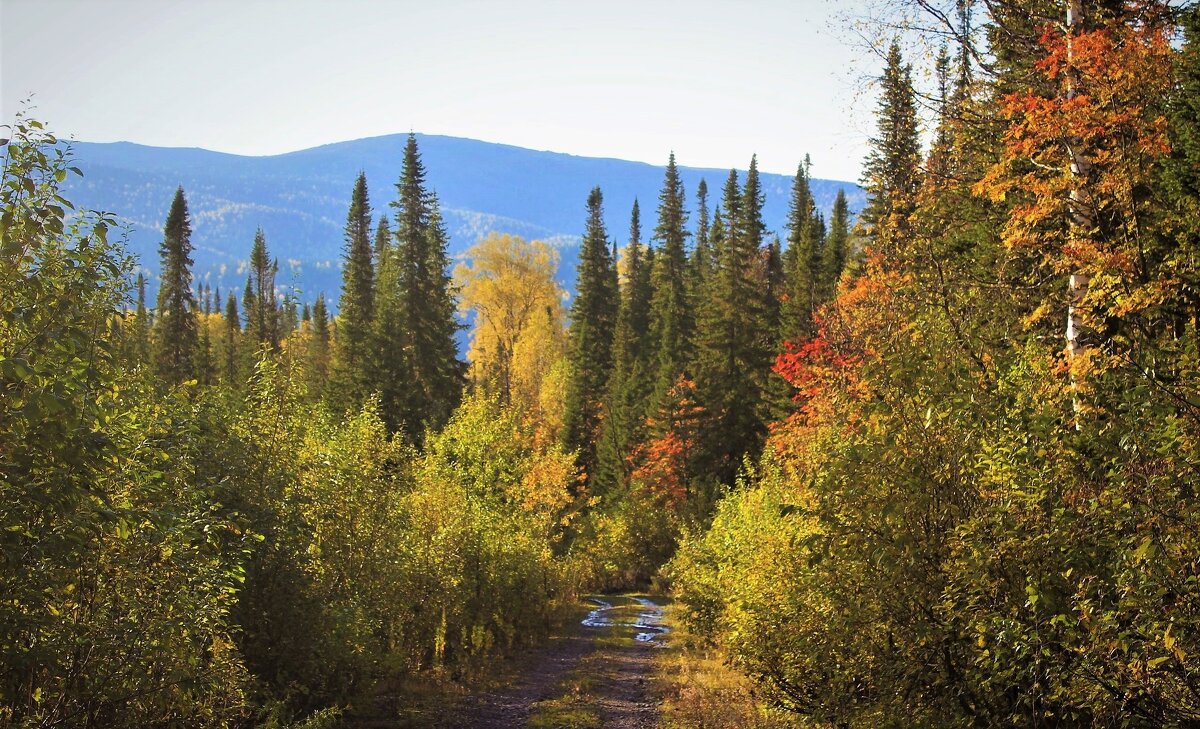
(595, 673)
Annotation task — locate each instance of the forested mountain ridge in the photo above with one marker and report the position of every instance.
(299, 198)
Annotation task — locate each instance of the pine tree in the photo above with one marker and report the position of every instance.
(139, 354)
(390, 365)
(176, 330)
(629, 386)
(593, 319)
(318, 348)
(733, 344)
(802, 261)
(702, 262)
(259, 302)
(383, 237)
(890, 173)
(229, 342)
(432, 373)
(834, 251)
(357, 302)
(671, 316)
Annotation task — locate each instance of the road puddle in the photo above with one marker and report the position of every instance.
(647, 624)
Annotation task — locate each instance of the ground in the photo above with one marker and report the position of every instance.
(597, 672)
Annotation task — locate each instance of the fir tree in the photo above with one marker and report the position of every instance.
(628, 387)
(802, 261)
(229, 341)
(357, 302)
(702, 262)
(432, 373)
(835, 249)
(259, 302)
(593, 318)
(383, 237)
(671, 316)
(890, 173)
(140, 341)
(318, 348)
(176, 331)
(733, 344)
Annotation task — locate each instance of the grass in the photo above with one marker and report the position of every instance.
(697, 689)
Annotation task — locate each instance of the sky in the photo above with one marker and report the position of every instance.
(715, 82)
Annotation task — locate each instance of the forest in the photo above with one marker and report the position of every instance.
(928, 464)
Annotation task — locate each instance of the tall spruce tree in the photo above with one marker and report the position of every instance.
(263, 320)
(733, 346)
(435, 376)
(139, 348)
(671, 315)
(318, 359)
(176, 330)
(801, 260)
(629, 386)
(357, 302)
(383, 237)
(702, 261)
(232, 330)
(593, 319)
(891, 171)
(834, 252)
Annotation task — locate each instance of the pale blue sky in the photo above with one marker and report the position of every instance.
(715, 81)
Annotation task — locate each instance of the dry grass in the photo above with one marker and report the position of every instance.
(697, 690)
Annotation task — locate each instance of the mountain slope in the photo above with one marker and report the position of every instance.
(300, 198)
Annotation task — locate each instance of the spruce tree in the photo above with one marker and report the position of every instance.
(383, 237)
(357, 302)
(259, 302)
(701, 264)
(671, 315)
(802, 261)
(733, 344)
(835, 249)
(593, 319)
(891, 170)
(176, 329)
(390, 361)
(229, 342)
(318, 348)
(432, 373)
(139, 354)
(629, 386)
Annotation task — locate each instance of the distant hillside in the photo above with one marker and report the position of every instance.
(300, 198)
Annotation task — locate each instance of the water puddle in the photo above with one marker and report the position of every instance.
(647, 624)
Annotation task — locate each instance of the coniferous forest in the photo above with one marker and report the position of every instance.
(932, 463)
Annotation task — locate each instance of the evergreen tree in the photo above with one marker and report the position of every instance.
(390, 361)
(176, 331)
(139, 354)
(802, 260)
(593, 319)
(835, 249)
(259, 302)
(628, 387)
(733, 344)
(383, 237)
(671, 316)
(432, 372)
(702, 262)
(890, 173)
(318, 348)
(357, 301)
(229, 342)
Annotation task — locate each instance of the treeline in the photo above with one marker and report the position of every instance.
(973, 519)
(223, 515)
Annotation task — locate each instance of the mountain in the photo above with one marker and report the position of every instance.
(300, 199)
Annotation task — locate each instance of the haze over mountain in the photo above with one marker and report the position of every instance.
(300, 199)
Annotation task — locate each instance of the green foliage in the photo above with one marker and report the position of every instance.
(176, 328)
(590, 353)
